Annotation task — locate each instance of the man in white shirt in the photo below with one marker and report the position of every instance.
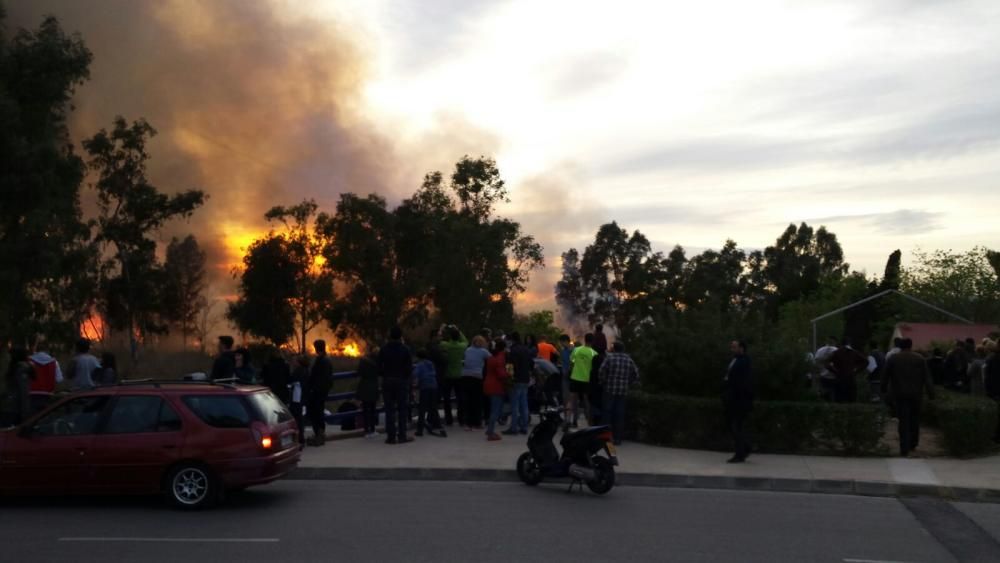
(81, 367)
(827, 379)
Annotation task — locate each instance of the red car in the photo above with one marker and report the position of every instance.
(191, 441)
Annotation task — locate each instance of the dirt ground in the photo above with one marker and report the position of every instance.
(930, 441)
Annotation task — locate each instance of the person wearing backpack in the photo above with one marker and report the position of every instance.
(47, 372)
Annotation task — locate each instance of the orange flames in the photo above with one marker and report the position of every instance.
(92, 328)
(350, 350)
(237, 239)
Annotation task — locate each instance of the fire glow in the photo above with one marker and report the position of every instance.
(92, 328)
(350, 350)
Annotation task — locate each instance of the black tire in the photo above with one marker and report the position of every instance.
(605, 471)
(191, 486)
(528, 470)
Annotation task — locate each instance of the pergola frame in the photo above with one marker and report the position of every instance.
(877, 296)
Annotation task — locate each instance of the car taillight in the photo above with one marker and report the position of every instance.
(604, 436)
(261, 435)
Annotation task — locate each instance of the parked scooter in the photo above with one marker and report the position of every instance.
(580, 460)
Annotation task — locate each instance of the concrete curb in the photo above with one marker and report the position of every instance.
(666, 480)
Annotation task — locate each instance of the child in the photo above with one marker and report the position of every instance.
(295, 383)
(426, 379)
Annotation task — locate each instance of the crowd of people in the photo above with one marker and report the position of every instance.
(477, 384)
(500, 379)
(31, 378)
(902, 376)
(482, 383)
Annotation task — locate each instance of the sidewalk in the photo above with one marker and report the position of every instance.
(468, 456)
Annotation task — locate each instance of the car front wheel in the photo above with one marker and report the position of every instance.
(191, 486)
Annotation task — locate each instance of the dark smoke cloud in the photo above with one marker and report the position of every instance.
(253, 104)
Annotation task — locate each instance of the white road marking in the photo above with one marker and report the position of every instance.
(871, 561)
(172, 540)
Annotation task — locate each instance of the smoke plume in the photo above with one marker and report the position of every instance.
(256, 103)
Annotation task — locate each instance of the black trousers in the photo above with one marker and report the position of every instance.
(369, 415)
(908, 412)
(316, 411)
(736, 420)
(472, 390)
(427, 413)
(845, 390)
(450, 385)
(396, 398)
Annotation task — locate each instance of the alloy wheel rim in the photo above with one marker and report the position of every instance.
(190, 486)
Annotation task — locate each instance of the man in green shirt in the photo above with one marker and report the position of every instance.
(582, 360)
(453, 347)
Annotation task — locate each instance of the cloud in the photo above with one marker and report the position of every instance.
(898, 222)
(583, 73)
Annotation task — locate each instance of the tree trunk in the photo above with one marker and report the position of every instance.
(302, 345)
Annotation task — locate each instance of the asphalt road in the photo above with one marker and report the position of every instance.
(304, 521)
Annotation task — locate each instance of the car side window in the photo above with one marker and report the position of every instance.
(134, 414)
(73, 418)
(169, 419)
(220, 411)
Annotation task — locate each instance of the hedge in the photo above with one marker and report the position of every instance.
(777, 426)
(967, 423)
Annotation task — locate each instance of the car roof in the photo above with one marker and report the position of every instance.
(173, 388)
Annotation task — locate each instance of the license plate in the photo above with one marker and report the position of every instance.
(611, 449)
(287, 440)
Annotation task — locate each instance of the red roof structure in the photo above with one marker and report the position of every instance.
(925, 335)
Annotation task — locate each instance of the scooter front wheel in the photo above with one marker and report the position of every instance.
(528, 469)
(605, 475)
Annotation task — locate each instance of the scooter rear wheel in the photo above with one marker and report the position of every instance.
(528, 469)
(605, 472)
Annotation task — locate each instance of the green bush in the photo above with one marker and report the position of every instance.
(967, 423)
(777, 426)
(688, 354)
(852, 428)
(684, 422)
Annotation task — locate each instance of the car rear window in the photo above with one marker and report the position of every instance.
(270, 409)
(134, 414)
(221, 411)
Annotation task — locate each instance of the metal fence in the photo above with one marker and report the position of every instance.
(340, 417)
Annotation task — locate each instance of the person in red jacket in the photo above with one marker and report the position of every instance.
(47, 372)
(495, 386)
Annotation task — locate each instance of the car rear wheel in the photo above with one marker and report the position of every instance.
(191, 486)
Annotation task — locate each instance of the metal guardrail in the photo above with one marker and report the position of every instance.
(339, 417)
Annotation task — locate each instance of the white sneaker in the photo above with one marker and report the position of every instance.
(372, 435)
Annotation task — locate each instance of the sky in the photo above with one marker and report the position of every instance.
(693, 122)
